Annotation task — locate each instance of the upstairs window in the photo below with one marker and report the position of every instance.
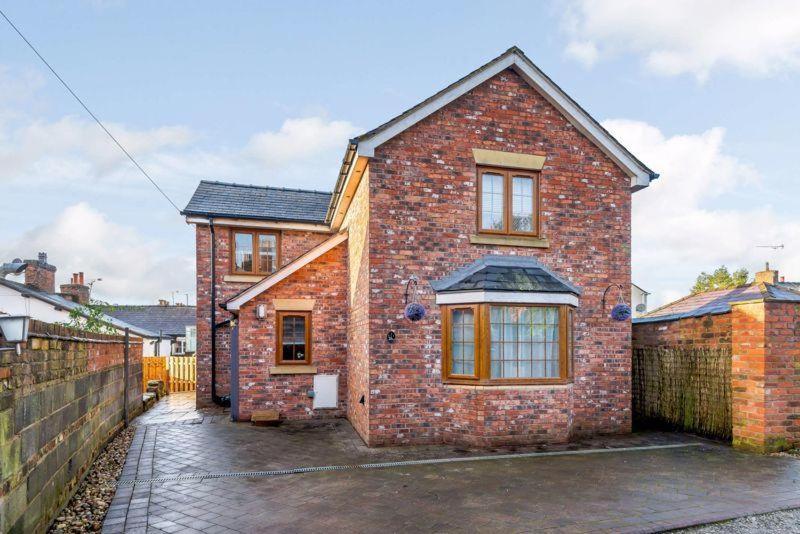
(254, 252)
(508, 201)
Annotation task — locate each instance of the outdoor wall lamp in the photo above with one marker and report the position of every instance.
(14, 329)
(261, 311)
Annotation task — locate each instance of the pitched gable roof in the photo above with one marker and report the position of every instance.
(515, 59)
(221, 199)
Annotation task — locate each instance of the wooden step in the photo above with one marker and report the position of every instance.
(265, 418)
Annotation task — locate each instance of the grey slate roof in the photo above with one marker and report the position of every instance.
(505, 273)
(718, 302)
(171, 321)
(221, 199)
(60, 302)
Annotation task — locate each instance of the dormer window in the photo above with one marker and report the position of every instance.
(254, 252)
(508, 201)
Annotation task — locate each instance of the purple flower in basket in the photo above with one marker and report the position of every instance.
(414, 311)
(621, 312)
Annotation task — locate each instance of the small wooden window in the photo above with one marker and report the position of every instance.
(254, 252)
(507, 344)
(508, 201)
(294, 337)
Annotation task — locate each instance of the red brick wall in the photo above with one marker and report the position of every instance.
(293, 244)
(766, 385)
(325, 281)
(356, 223)
(422, 212)
(709, 331)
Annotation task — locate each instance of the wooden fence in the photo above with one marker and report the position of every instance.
(178, 372)
(684, 388)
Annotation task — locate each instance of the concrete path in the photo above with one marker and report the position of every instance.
(205, 474)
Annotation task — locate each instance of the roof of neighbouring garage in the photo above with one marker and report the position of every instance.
(168, 320)
(717, 302)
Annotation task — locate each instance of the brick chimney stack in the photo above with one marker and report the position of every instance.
(76, 289)
(40, 275)
(767, 276)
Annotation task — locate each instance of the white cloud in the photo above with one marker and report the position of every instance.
(677, 233)
(49, 165)
(297, 138)
(133, 268)
(688, 36)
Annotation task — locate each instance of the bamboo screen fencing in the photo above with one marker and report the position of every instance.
(684, 388)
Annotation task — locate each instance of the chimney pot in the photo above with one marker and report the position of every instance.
(783, 279)
(43, 257)
(80, 276)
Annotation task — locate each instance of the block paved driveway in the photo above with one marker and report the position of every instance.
(639, 483)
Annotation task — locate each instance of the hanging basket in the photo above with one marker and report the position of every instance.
(414, 311)
(621, 311)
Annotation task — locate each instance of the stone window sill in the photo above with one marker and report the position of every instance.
(249, 278)
(509, 241)
(293, 370)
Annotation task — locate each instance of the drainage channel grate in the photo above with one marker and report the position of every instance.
(385, 465)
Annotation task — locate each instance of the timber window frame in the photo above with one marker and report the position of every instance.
(483, 346)
(508, 176)
(280, 316)
(255, 238)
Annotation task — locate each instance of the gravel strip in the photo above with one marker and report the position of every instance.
(87, 508)
(786, 521)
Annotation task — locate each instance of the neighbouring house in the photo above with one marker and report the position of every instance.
(638, 300)
(499, 207)
(174, 324)
(756, 325)
(36, 297)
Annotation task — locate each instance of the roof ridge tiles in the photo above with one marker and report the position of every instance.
(268, 187)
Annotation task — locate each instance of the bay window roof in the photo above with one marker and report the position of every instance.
(495, 278)
(505, 273)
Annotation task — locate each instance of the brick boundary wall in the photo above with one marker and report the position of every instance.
(764, 339)
(60, 403)
(766, 375)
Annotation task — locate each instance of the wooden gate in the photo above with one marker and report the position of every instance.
(154, 368)
(177, 372)
(182, 374)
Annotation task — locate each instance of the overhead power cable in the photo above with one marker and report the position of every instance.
(89, 111)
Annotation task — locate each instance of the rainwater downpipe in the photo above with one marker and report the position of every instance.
(214, 397)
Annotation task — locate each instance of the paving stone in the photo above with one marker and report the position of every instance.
(620, 491)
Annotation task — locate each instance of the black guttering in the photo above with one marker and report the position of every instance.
(214, 397)
(347, 163)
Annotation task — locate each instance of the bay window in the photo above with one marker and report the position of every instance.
(507, 343)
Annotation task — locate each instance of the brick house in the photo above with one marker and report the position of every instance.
(757, 326)
(498, 205)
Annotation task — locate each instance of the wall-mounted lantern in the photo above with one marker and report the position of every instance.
(261, 311)
(15, 329)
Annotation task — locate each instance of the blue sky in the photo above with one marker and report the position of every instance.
(268, 93)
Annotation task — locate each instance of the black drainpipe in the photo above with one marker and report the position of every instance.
(214, 397)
